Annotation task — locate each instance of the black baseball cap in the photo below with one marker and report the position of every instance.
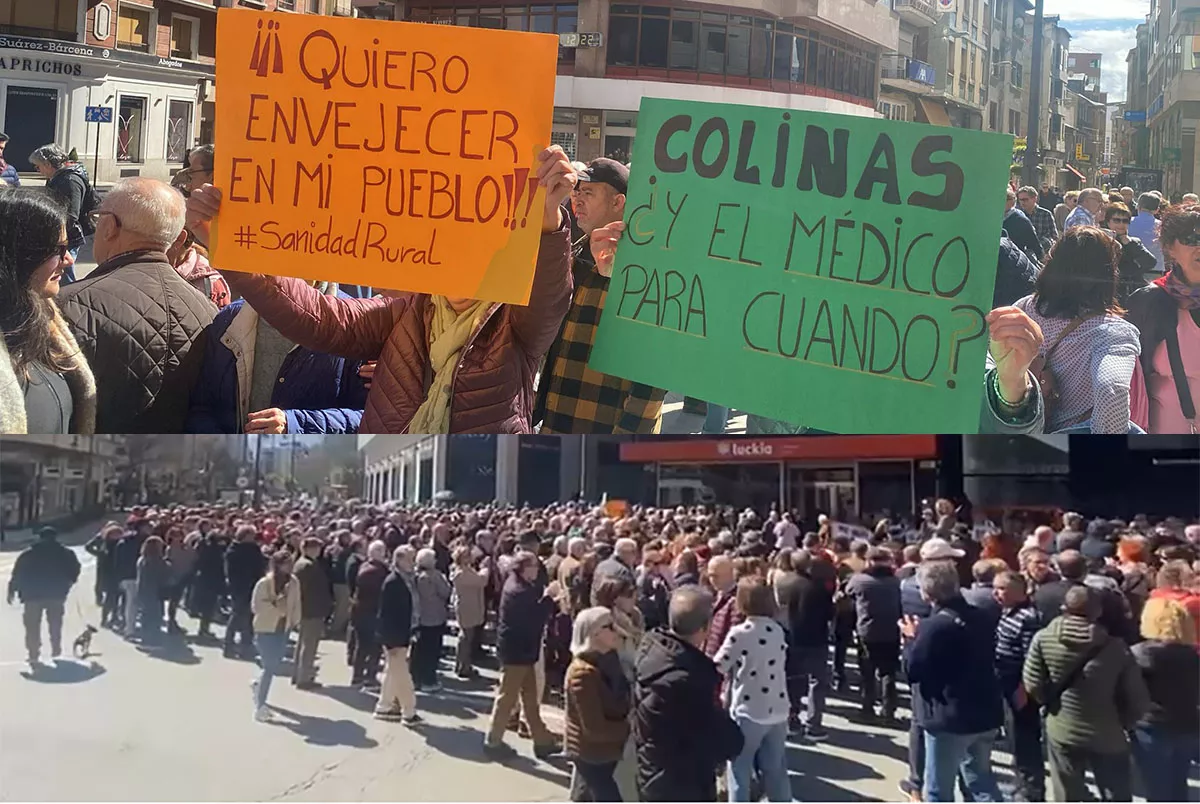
(607, 171)
(47, 532)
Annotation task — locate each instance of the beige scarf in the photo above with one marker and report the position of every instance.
(448, 334)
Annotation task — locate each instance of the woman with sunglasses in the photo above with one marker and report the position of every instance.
(1136, 260)
(57, 385)
(1167, 313)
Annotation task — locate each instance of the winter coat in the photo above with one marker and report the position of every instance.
(317, 393)
(1107, 698)
(395, 616)
(141, 328)
(44, 572)
(244, 566)
(1114, 613)
(611, 567)
(810, 612)
(983, 597)
(8, 174)
(522, 618)
(316, 593)
(876, 596)
(683, 734)
(210, 564)
(911, 602)
(1136, 261)
(182, 560)
(103, 550)
(725, 616)
(493, 385)
(469, 586)
(653, 598)
(1021, 232)
(433, 598)
(125, 557)
(70, 186)
(598, 699)
(78, 376)
(275, 612)
(952, 659)
(365, 605)
(153, 579)
(1171, 671)
(1015, 275)
(197, 272)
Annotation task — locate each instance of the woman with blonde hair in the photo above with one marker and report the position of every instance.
(1164, 740)
(275, 603)
(598, 701)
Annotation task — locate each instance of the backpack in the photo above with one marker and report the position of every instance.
(88, 207)
(1040, 368)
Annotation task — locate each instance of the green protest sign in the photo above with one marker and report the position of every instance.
(822, 269)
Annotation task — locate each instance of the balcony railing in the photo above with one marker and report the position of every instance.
(905, 67)
(285, 5)
(918, 11)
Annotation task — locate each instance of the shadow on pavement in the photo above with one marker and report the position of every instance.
(323, 731)
(174, 649)
(461, 742)
(352, 697)
(806, 787)
(64, 671)
(867, 742)
(461, 705)
(830, 766)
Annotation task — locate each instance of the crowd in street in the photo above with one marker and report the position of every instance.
(689, 645)
(1095, 326)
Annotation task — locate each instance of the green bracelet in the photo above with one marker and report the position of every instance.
(1004, 403)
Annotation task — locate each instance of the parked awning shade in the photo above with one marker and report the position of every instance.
(1078, 175)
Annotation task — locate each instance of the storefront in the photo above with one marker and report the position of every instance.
(157, 105)
(837, 475)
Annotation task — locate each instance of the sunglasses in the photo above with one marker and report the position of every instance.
(1120, 219)
(60, 251)
(1192, 239)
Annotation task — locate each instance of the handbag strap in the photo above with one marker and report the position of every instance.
(1056, 689)
(1074, 325)
(1181, 381)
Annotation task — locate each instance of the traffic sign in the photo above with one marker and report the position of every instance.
(98, 114)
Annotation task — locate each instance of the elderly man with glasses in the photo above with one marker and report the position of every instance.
(1041, 218)
(138, 322)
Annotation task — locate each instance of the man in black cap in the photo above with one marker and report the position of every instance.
(42, 578)
(572, 398)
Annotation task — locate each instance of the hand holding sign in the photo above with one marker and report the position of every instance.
(604, 241)
(556, 173)
(202, 208)
(1014, 341)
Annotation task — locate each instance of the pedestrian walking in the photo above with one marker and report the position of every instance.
(598, 700)
(209, 584)
(876, 595)
(68, 183)
(397, 623)
(102, 547)
(1093, 693)
(244, 567)
(42, 578)
(275, 603)
(316, 605)
(364, 616)
(754, 657)
(125, 562)
(470, 610)
(153, 586)
(433, 612)
(181, 558)
(810, 615)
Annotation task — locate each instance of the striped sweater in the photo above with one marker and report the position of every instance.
(1014, 634)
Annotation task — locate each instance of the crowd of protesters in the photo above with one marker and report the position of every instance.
(689, 645)
(1095, 326)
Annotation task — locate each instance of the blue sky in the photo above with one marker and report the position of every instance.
(1103, 26)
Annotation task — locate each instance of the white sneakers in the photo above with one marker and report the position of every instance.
(262, 715)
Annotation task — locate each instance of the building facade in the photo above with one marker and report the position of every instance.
(1173, 100)
(48, 478)
(907, 80)
(150, 62)
(959, 52)
(1011, 53)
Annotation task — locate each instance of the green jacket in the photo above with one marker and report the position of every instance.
(1107, 698)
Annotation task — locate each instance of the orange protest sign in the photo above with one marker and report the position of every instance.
(616, 508)
(392, 154)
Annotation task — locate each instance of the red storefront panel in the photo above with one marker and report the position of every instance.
(746, 449)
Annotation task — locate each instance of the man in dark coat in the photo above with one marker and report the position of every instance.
(876, 595)
(683, 734)
(397, 699)
(316, 604)
(1114, 611)
(103, 546)
(138, 322)
(244, 565)
(364, 615)
(524, 609)
(125, 557)
(42, 577)
(810, 614)
(210, 580)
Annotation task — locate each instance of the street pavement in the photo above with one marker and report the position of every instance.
(176, 725)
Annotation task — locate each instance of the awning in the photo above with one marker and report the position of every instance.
(1078, 175)
(933, 111)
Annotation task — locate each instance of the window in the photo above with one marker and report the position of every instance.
(185, 36)
(134, 26)
(655, 35)
(683, 40)
(179, 130)
(131, 125)
(622, 40)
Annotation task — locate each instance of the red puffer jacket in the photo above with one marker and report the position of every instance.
(493, 386)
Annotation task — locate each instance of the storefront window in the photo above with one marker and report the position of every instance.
(886, 486)
(683, 41)
(179, 130)
(739, 485)
(539, 19)
(813, 492)
(653, 44)
(131, 124)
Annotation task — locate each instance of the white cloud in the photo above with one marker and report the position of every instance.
(1099, 9)
(1115, 45)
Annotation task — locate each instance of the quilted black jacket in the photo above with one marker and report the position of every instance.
(141, 326)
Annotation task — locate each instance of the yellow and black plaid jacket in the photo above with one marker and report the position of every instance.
(572, 398)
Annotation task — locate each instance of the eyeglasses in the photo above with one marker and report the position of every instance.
(1192, 239)
(1118, 219)
(60, 251)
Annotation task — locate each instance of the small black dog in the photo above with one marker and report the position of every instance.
(83, 643)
